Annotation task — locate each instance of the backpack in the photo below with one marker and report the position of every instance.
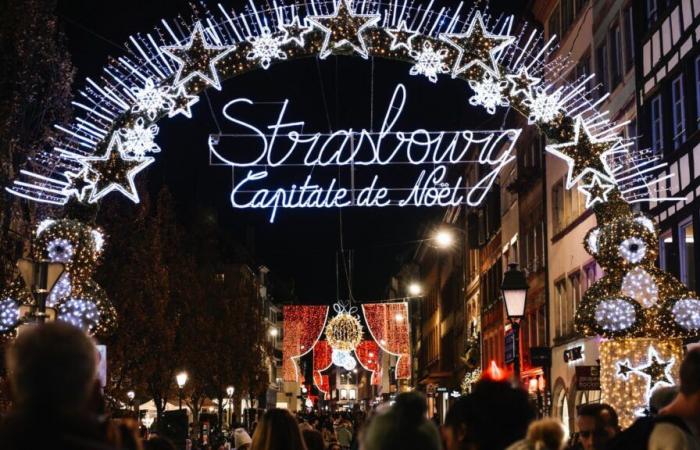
(637, 436)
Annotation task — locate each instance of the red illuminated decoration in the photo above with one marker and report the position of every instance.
(494, 373)
(303, 326)
(388, 324)
(322, 361)
(369, 357)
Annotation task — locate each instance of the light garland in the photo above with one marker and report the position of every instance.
(302, 328)
(631, 369)
(469, 380)
(391, 334)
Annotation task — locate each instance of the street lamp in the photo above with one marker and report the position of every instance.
(415, 289)
(229, 391)
(131, 395)
(274, 332)
(444, 238)
(514, 289)
(181, 379)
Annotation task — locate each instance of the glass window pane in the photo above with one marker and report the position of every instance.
(687, 255)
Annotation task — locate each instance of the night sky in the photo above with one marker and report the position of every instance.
(302, 244)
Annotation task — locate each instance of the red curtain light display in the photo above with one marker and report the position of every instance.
(369, 357)
(322, 361)
(303, 326)
(388, 324)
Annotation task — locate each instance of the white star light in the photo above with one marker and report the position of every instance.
(343, 11)
(129, 190)
(295, 32)
(597, 190)
(559, 150)
(460, 41)
(150, 99)
(521, 82)
(265, 48)
(488, 93)
(652, 355)
(213, 54)
(429, 62)
(80, 184)
(543, 107)
(182, 102)
(401, 37)
(139, 139)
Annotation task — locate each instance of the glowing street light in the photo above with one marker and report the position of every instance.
(131, 395)
(444, 238)
(274, 332)
(415, 289)
(181, 379)
(229, 391)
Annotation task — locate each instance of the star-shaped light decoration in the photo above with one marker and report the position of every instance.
(344, 28)
(197, 59)
(585, 154)
(182, 102)
(115, 171)
(657, 370)
(401, 37)
(80, 184)
(477, 49)
(597, 190)
(624, 368)
(521, 83)
(295, 32)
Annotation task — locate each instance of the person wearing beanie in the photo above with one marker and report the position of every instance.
(404, 426)
(241, 439)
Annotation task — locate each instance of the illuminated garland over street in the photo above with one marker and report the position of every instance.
(113, 142)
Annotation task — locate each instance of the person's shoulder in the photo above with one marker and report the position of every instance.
(668, 435)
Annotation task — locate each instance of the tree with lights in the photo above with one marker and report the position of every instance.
(36, 75)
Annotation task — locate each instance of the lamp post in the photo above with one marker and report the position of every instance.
(40, 277)
(131, 395)
(229, 391)
(181, 379)
(514, 289)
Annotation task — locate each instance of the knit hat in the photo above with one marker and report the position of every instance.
(241, 437)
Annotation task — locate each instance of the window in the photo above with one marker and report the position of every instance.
(615, 55)
(666, 250)
(574, 300)
(567, 15)
(678, 112)
(590, 274)
(652, 11)
(583, 69)
(560, 300)
(558, 219)
(219, 277)
(697, 87)
(687, 242)
(657, 127)
(631, 132)
(553, 26)
(628, 18)
(602, 67)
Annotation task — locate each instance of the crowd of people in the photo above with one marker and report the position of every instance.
(52, 371)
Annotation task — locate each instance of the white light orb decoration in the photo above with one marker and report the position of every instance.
(615, 314)
(344, 332)
(633, 249)
(60, 250)
(79, 313)
(639, 285)
(9, 314)
(350, 363)
(687, 313)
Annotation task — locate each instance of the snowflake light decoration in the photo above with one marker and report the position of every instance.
(151, 100)
(266, 47)
(429, 62)
(543, 107)
(489, 93)
(139, 139)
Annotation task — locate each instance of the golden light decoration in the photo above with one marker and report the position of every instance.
(631, 369)
(344, 332)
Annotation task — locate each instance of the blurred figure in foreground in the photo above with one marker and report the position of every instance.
(494, 416)
(52, 372)
(543, 434)
(402, 427)
(277, 430)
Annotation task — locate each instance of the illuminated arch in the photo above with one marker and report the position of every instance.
(113, 140)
